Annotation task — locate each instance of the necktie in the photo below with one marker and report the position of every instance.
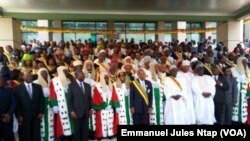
(30, 90)
(82, 87)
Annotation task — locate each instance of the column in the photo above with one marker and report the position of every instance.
(10, 32)
(57, 36)
(160, 26)
(43, 35)
(180, 25)
(206, 34)
(111, 26)
(247, 31)
(230, 33)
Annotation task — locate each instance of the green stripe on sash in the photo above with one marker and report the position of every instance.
(157, 105)
(127, 109)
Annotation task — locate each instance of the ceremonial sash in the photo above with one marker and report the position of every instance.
(112, 79)
(16, 82)
(97, 77)
(220, 69)
(103, 66)
(75, 57)
(188, 55)
(208, 69)
(178, 55)
(231, 64)
(169, 62)
(46, 65)
(70, 69)
(141, 91)
(34, 71)
(175, 82)
(162, 80)
(8, 57)
(199, 56)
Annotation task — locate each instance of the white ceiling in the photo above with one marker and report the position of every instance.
(138, 7)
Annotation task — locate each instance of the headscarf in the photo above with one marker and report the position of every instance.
(26, 57)
(40, 80)
(240, 67)
(103, 82)
(118, 82)
(152, 70)
(86, 71)
(64, 80)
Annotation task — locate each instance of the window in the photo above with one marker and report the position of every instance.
(125, 27)
(214, 34)
(166, 37)
(82, 26)
(168, 26)
(193, 35)
(27, 36)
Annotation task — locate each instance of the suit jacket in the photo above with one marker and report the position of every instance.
(79, 101)
(230, 95)
(7, 101)
(136, 100)
(26, 107)
(220, 92)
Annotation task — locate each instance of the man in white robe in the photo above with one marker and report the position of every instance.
(175, 110)
(203, 87)
(188, 76)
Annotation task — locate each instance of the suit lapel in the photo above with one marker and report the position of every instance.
(79, 87)
(26, 91)
(33, 91)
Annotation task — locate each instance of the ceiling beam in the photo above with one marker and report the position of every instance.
(244, 12)
(105, 17)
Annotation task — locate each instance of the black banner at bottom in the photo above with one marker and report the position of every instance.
(204, 132)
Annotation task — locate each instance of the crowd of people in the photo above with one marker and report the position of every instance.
(79, 91)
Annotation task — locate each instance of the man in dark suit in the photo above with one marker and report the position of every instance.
(7, 108)
(220, 95)
(79, 105)
(229, 98)
(141, 99)
(29, 111)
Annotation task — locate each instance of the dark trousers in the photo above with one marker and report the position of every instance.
(223, 113)
(81, 129)
(141, 119)
(66, 138)
(6, 131)
(30, 130)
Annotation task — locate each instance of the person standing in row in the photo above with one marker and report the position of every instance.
(64, 125)
(175, 93)
(30, 108)
(203, 87)
(80, 104)
(47, 123)
(7, 108)
(141, 99)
